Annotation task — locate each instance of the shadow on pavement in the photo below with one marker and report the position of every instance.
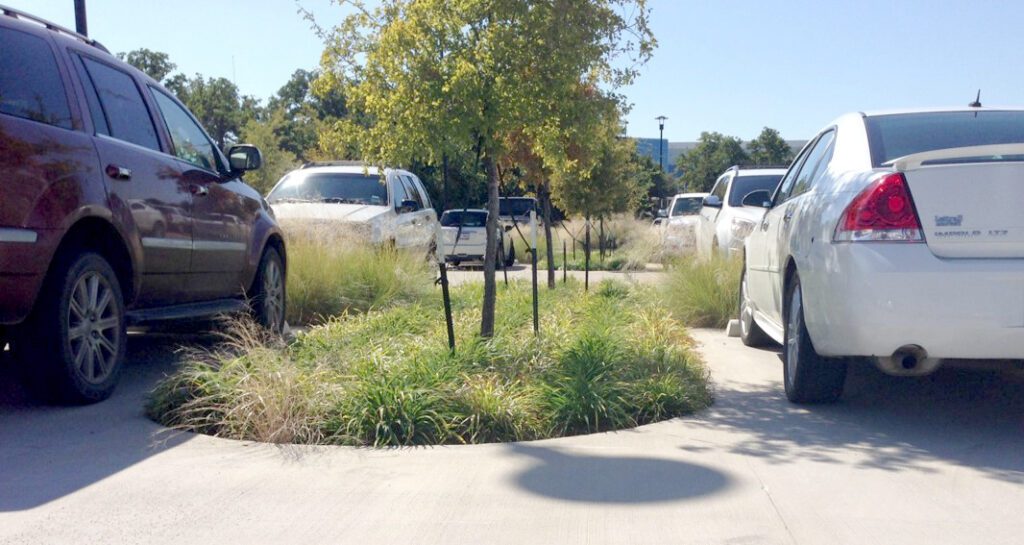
(968, 417)
(47, 452)
(602, 479)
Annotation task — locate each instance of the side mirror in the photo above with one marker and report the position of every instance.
(662, 213)
(244, 157)
(713, 201)
(760, 198)
(409, 205)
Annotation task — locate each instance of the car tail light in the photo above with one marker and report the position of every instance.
(884, 211)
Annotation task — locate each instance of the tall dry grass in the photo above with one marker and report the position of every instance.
(703, 292)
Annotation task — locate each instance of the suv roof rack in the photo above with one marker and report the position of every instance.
(18, 14)
(335, 164)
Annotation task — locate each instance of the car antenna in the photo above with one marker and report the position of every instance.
(977, 101)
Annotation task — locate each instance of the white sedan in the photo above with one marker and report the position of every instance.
(897, 237)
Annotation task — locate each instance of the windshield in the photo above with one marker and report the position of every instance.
(456, 218)
(335, 187)
(686, 206)
(895, 136)
(745, 185)
(515, 206)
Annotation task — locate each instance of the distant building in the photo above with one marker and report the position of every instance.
(649, 147)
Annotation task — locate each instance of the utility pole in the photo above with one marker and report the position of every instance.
(661, 139)
(81, 26)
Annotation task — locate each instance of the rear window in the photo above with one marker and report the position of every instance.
(334, 187)
(511, 206)
(745, 185)
(459, 218)
(895, 136)
(30, 83)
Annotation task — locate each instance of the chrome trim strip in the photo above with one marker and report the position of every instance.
(23, 236)
(217, 245)
(166, 243)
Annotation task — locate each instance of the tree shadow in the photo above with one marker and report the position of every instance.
(47, 452)
(967, 417)
(615, 480)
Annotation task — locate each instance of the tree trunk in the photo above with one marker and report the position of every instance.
(546, 204)
(491, 251)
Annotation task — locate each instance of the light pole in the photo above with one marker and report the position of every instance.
(661, 138)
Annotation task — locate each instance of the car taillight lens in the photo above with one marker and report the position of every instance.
(884, 211)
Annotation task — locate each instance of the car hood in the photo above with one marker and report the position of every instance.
(750, 213)
(684, 220)
(359, 213)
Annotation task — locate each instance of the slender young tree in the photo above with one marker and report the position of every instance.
(430, 78)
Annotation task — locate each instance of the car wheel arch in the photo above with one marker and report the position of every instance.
(99, 235)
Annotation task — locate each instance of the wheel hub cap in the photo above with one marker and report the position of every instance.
(94, 328)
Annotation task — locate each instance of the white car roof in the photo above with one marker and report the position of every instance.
(872, 113)
(690, 195)
(758, 171)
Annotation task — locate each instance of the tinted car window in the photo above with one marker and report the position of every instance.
(337, 187)
(745, 185)
(410, 189)
(456, 218)
(786, 185)
(515, 206)
(99, 119)
(894, 136)
(30, 83)
(816, 162)
(720, 188)
(126, 112)
(190, 143)
(686, 206)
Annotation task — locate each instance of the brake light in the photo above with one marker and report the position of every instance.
(884, 211)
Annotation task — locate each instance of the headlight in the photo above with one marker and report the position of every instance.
(741, 228)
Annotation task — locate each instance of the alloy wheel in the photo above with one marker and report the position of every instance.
(94, 328)
(793, 330)
(273, 295)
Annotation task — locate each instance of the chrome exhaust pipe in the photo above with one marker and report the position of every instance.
(908, 360)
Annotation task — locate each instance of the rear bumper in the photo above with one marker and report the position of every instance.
(872, 299)
(452, 258)
(24, 257)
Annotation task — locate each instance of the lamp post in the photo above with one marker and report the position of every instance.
(661, 139)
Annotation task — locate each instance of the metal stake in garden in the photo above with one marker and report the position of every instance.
(565, 264)
(533, 259)
(443, 280)
(586, 258)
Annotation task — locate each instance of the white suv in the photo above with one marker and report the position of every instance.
(679, 224)
(734, 206)
(385, 208)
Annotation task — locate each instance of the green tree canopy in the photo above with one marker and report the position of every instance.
(427, 79)
(769, 149)
(154, 63)
(216, 103)
(714, 153)
(277, 161)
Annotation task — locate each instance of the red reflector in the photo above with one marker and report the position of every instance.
(883, 211)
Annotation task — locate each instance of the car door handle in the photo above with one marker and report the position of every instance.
(199, 190)
(787, 216)
(119, 173)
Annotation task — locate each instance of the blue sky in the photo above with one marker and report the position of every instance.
(723, 65)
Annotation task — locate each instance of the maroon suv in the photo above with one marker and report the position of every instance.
(116, 209)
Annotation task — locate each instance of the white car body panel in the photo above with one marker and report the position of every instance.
(958, 296)
(464, 244)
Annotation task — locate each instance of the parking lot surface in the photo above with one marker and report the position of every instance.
(934, 460)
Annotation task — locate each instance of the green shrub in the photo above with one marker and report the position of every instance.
(703, 293)
(603, 361)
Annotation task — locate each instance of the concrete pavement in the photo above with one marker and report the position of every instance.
(936, 460)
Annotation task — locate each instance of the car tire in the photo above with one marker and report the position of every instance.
(808, 377)
(268, 300)
(77, 335)
(751, 334)
(510, 258)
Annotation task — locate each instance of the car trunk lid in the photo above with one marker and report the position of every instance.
(970, 200)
